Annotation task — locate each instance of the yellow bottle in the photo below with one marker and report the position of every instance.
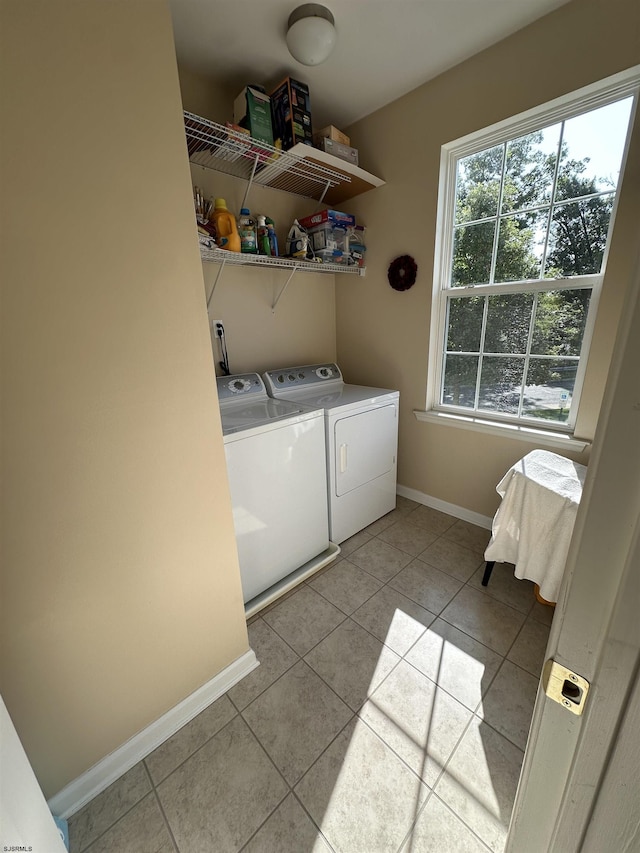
(227, 236)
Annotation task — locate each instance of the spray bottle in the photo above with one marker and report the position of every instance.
(273, 240)
(263, 237)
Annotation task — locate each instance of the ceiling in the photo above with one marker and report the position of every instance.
(385, 48)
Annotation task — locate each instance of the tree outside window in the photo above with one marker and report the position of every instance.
(531, 223)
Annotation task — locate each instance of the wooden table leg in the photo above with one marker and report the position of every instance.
(536, 592)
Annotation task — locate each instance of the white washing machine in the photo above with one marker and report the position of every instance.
(275, 453)
(361, 426)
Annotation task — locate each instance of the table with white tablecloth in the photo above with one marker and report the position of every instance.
(534, 523)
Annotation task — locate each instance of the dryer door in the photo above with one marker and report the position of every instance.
(365, 447)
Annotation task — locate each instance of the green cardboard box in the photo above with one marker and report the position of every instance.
(252, 109)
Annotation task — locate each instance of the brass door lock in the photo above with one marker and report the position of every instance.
(565, 687)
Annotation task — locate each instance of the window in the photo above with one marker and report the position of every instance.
(523, 231)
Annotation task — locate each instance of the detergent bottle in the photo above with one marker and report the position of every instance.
(247, 229)
(227, 236)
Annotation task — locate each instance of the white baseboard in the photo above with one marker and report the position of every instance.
(95, 780)
(443, 506)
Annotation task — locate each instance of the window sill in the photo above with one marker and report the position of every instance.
(544, 437)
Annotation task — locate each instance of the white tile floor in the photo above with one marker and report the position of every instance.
(389, 713)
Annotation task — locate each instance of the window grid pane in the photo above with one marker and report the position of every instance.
(578, 236)
(489, 191)
(503, 353)
(527, 211)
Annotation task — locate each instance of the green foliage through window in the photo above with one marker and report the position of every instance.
(532, 209)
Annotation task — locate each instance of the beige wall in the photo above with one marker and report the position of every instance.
(302, 330)
(383, 336)
(204, 96)
(121, 591)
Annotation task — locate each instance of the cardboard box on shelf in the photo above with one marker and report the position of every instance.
(344, 152)
(252, 110)
(291, 113)
(333, 217)
(330, 132)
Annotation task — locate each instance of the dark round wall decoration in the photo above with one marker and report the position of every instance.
(402, 272)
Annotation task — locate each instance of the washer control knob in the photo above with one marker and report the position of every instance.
(237, 386)
(291, 377)
(281, 378)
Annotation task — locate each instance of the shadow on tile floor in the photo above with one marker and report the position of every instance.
(389, 713)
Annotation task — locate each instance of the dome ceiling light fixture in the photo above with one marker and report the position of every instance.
(311, 34)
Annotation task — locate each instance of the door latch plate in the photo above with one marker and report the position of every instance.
(565, 687)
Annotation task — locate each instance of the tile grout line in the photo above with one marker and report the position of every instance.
(472, 716)
(436, 616)
(363, 602)
(161, 807)
(319, 828)
(264, 690)
(348, 707)
(473, 712)
(486, 592)
(87, 847)
(414, 823)
(287, 785)
(432, 789)
(464, 823)
(267, 818)
(319, 641)
(410, 769)
(195, 751)
(291, 787)
(355, 715)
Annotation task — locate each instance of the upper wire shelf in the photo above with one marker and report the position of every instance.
(224, 149)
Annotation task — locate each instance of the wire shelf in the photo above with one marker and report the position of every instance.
(220, 256)
(224, 149)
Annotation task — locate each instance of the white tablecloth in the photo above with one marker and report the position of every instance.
(534, 522)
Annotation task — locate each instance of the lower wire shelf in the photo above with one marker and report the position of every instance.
(294, 265)
(219, 256)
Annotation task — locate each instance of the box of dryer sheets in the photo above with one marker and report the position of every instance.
(333, 217)
(291, 113)
(344, 152)
(252, 110)
(330, 132)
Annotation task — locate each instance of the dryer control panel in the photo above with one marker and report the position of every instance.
(308, 376)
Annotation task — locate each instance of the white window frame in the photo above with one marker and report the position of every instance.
(599, 94)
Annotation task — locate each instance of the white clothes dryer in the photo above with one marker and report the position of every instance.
(275, 454)
(361, 425)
